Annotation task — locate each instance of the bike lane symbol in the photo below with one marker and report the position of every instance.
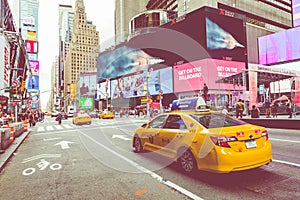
(42, 165)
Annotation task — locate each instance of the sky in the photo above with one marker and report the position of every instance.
(100, 12)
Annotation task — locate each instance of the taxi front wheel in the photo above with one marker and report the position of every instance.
(187, 162)
(138, 147)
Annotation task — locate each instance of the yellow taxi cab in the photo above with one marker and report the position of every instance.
(205, 140)
(81, 118)
(106, 115)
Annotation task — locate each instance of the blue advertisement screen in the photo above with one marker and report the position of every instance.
(33, 84)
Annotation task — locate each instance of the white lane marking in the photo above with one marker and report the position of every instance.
(51, 139)
(287, 163)
(292, 141)
(58, 127)
(41, 156)
(67, 126)
(146, 171)
(40, 129)
(49, 128)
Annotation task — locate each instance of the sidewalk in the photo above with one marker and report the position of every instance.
(9, 152)
(281, 122)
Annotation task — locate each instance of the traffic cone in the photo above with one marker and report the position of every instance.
(12, 134)
(26, 123)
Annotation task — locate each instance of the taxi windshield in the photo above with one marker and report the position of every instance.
(216, 120)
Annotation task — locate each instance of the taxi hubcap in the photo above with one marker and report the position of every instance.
(187, 162)
(137, 144)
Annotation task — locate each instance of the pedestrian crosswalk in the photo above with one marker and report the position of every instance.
(61, 127)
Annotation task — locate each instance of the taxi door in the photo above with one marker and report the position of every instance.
(172, 135)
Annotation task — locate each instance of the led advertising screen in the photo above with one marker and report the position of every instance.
(33, 84)
(296, 12)
(135, 85)
(121, 61)
(103, 90)
(279, 47)
(226, 35)
(34, 66)
(88, 84)
(192, 76)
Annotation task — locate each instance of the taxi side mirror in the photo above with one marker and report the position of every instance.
(145, 125)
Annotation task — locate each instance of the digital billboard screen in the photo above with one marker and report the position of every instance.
(34, 66)
(135, 85)
(33, 83)
(193, 75)
(88, 84)
(296, 12)
(279, 47)
(121, 61)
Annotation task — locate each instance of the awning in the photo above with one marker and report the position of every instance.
(264, 76)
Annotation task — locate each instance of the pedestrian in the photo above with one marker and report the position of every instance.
(31, 119)
(59, 118)
(205, 92)
(240, 106)
(274, 106)
(289, 108)
(254, 112)
(268, 107)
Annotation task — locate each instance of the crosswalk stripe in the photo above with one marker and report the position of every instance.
(49, 128)
(67, 126)
(59, 127)
(40, 129)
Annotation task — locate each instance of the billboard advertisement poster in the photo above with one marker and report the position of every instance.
(279, 47)
(88, 84)
(31, 46)
(33, 84)
(135, 85)
(86, 103)
(32, 56)
(121, 61)
(103, 90)
(192, 76)
(34, 66)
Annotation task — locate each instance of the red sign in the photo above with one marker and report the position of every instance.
(192, 76)
(31, 46)
(6, 65)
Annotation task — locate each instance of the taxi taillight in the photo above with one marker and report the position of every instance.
(265, 134)
(222, 141)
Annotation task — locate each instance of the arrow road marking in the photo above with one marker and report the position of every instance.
(123, 137)
(64, 144)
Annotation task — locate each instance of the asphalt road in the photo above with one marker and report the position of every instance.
(97, 162)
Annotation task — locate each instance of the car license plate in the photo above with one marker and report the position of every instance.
(250, 144)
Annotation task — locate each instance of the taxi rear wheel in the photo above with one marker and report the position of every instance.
(138, 146)
(187, 162)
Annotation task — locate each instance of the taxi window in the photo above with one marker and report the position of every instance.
(157, 122)
(174, 122)
(216, 120)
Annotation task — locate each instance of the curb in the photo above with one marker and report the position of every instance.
(9, 152)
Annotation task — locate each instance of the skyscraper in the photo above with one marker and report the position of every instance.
(84, 47)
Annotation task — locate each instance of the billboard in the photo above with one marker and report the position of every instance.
(86, 103)
(279, 47)
(31, 46)
(296, 12)
(192, 76)
(103, 90)
(33, 84)
(4, 63)
(34, 66)
(121, 61)
(88, 84)
(135, 85)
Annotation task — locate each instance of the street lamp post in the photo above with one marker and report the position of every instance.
(148, 75)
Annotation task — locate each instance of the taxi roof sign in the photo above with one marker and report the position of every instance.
(196, 103)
